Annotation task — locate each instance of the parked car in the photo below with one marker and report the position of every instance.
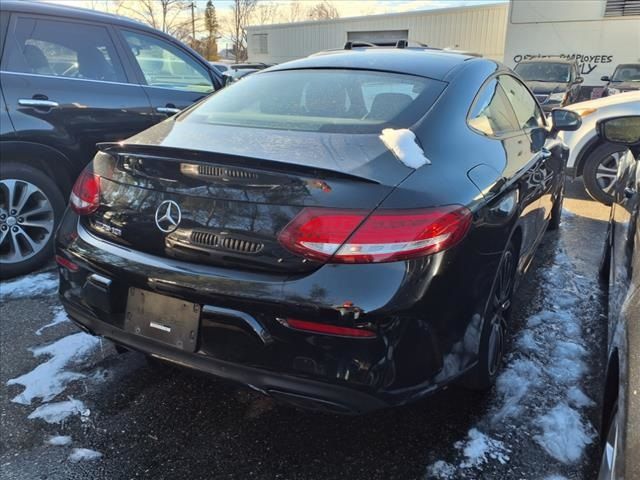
(626, 77)
(319, 231)
(554, 81)
(71, 78)
(589, 155)
(222, 67)
(620, 270)
(240, 70)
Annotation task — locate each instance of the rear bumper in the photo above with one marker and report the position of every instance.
(427, 333)
(306, 393)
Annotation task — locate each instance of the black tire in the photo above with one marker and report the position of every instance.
(494, 328)
(600, 190)
(556, 211)
(49, 194)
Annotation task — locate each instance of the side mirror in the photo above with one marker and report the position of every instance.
(621, 130)
(565, 120)
(579, 80)
(605, 78)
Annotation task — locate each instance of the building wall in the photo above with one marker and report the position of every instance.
(476, 29)
(572, 29)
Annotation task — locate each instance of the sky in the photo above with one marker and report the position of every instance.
(346, 8)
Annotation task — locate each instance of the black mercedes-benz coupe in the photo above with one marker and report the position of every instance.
(342, 232)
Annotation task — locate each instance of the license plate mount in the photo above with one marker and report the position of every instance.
(162, 318)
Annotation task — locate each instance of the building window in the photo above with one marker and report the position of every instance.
(622, 8)
(261, 43)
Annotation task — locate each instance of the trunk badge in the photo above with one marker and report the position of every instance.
(168, 216)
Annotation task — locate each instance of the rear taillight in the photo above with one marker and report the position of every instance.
(327, 329)
(353, 236)
(85, 196)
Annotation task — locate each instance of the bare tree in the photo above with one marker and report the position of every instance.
(170, 16)
(323, 10)
(242, 10)
(295, 12)
(212, 27)
(266, 14)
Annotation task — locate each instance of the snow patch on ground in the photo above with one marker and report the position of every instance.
(83, 455)
(59, 440)
(564, 433)
(402, 142)
(59, 316)
(539, 385)
(58, 411)
(555, 477)
(476, 450)
(45, 283)
(50, 378)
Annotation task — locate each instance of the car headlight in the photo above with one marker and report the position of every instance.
(613, 91)
(557, 97)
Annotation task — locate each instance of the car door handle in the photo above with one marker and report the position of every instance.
(37, 103)
(629, 192)
(168, 110)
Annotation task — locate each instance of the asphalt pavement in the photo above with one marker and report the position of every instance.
(140, 422)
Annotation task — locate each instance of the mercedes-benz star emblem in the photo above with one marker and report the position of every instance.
(168, 216)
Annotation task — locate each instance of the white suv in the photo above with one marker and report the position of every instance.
(591, 157)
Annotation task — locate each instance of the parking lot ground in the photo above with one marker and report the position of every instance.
(71, 407)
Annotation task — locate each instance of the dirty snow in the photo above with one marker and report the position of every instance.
(50, 378)
(565, 433)
(83, 454)
(402, 142)
(476, 450)
(59, 440)
(539, 384)
(59, 316)
(58, 411)
(45, 283)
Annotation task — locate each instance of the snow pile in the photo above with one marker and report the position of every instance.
(59, 411)
(402, 142)
(59, 440)
(50, 378)
(29, 286)
(564, 433)
(477, 450)
(83, 454)
(538, 391)
(59, 316)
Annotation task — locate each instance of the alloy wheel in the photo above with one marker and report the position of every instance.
(606, 172)
(26, 220)
(501, 305)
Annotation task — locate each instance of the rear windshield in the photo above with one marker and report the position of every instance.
(343, 101)
(544, 72)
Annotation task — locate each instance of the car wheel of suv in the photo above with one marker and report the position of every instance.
(600, 171)
(493, 337)
(556, 211)
(31, 206)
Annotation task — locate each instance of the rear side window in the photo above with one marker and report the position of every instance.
(491, 113)
(524, 105)
(164, 65)
(341, 101)
(63, 49)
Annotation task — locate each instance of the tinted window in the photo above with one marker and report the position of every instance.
(491, 113)
(321, 100)
(524, 105)
(64, 49)
(164, 65)
(626, 73)
(544, 72)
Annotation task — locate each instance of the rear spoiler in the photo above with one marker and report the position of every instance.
(198, 156)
